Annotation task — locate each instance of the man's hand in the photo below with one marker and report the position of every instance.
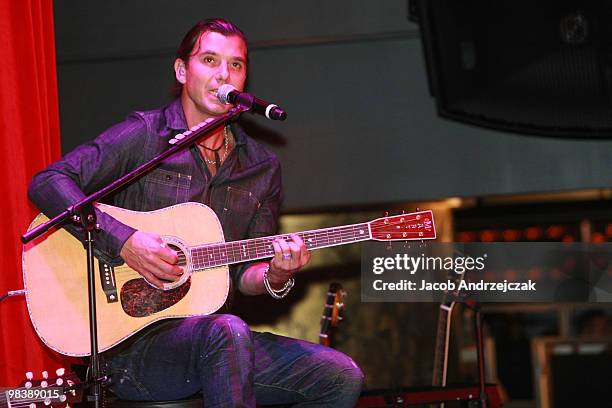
(289, 257)
(148, 255)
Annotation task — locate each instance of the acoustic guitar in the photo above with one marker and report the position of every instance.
(55, 277)
(59, 391)
(332, 313)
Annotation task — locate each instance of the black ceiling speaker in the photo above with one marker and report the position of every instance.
(538, 67)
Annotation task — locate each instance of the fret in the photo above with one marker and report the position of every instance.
(212, 255)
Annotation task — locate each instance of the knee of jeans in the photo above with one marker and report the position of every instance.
(350, 375)
(342, 373)
(227, 327)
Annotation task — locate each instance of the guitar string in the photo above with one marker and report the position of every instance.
(235, 249)
(258, 245)
(27, 402)
(260, 250)
(341, 233)
(334, 230)
(330, 233)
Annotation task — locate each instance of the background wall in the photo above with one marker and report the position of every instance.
(362, 128)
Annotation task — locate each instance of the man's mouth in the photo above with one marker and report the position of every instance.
(215, 94)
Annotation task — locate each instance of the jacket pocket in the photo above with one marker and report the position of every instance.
(164, 188)
(239, 208)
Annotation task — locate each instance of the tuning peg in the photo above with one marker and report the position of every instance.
(45, 375)
(28, 384)
(60, 371)
(47, 401)
(62, 398)
(59, 381)
(29, 375)
(32, 405)
(386, 214)
(418, 209)
(44, 384)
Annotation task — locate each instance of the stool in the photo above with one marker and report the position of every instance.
(193, 402)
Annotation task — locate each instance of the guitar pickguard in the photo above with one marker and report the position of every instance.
(139, 299)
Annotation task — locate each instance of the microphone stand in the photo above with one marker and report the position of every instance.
(84, 212)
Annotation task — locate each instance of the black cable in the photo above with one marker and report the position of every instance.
(12, 293)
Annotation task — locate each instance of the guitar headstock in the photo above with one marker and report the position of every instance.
(332, 313)
(56, 391)
(404, 227)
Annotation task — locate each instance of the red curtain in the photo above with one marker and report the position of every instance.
(29, 140)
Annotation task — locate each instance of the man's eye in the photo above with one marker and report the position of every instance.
(237, 65)
(209, 60)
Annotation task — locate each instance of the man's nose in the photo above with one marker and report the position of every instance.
(223, 71)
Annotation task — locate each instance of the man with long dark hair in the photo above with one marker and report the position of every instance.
(217, 355)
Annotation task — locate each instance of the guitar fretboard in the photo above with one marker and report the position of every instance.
(212, 255)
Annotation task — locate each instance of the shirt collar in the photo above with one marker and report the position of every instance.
(175, 119)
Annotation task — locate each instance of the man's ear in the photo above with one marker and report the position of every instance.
(179, 71)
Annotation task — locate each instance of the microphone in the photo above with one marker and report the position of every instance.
(228, 94)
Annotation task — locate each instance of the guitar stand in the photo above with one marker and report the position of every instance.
(488, 396)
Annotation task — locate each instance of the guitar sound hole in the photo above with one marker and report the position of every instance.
(181, 255)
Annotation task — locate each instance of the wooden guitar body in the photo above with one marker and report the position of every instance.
(55, 277)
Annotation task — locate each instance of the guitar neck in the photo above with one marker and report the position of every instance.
(441, 349)
(212, 255)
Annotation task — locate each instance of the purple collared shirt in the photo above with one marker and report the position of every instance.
(245, 192)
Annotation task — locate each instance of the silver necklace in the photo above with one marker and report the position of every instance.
(225, 145)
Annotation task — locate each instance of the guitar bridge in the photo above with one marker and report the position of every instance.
(109, 286)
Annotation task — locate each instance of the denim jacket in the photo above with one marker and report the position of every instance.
(245, 192)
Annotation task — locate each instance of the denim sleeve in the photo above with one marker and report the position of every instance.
(265, 221)
(86, 169)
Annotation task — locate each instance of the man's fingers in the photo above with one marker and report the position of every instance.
(284, 247)
(167, 254)
(295, 249)
(303, 255)
(297, 239)
(278, 252)
(151, 279)
(164, 270)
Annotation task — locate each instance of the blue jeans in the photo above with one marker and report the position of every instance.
(219, 356)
